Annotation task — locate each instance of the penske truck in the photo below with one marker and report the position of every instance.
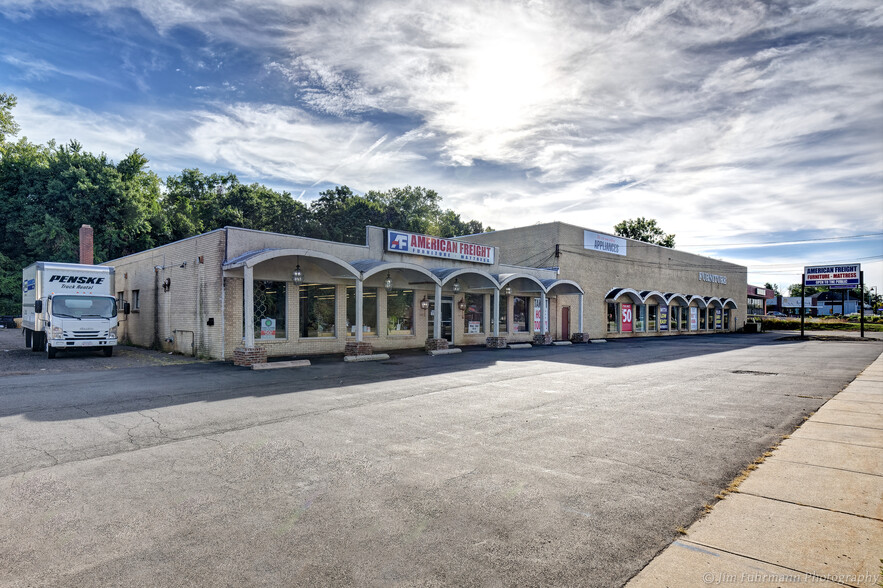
(69, 306)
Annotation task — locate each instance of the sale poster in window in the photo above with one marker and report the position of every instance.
(663, 317)
(626, 314)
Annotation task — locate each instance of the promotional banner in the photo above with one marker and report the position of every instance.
(663, 317)
(718, 318)
(834, 276)
(268, 328)
(414, 244)
(605, 243)
(538, 315)
(694, 318)
(627, 317)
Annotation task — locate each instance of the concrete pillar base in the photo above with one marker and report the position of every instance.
(436, 344)
(579, 338)
(542, 339)
(496, 342)
(355, 348)
(248, 356)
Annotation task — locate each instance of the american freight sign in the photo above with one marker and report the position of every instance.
(413, 244)
(834, 276)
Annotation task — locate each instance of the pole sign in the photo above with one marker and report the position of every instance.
(414, 244)
(627, 318)
(663, 317)
(834, 276)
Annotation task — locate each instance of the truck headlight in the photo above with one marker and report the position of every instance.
(57, 333)
(113, 332)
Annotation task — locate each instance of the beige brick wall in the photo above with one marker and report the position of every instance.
(175, 320)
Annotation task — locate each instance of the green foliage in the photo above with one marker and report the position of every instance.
(8, 126)
(770, 324)
(644, 229)
(773, 287)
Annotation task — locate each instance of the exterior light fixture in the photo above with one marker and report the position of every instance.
(424, 304)
(297, 276)
(387, 283)
(462, 304)
(456, 286)
(508, 290)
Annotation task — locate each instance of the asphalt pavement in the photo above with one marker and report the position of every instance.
(565, 466)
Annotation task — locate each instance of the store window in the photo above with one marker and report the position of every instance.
(755, 305)
(640, 317)
(473, 316)
(702, 319)
(651, 318)
(726, 324)
(612, 323)
(369, 311)
(400, 312)
(675, 313)
(504, 312)
(520, 314)
(269, 310)
(318, 304)
(683, 318)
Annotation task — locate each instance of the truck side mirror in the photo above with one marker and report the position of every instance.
(38, 306)
(127, 308)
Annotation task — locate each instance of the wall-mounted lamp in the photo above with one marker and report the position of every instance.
(508, 291)
(387, 283)
(456, 286)
(183, 264)
(424, 304)
(297, 276)
(462, 304)
(167, 284)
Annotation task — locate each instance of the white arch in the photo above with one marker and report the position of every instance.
(714, 301)
(648, 294)
(569, 285)
(505, 279)
(699, 300)
(729, 301)
(615, 293)
(676, 297)
(370, 267)
(445, 275)
(253, 258)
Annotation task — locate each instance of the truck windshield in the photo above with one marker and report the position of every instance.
(84, 306)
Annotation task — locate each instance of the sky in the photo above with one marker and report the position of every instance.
(751, 130)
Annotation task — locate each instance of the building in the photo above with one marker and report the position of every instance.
(757, 300)
(302, 296)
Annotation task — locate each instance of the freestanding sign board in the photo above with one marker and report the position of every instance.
(834, 276)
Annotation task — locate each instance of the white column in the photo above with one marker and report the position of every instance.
(543, 318)
(248, 296)
(496, 317)
(580, 321)
(436, 320)
(359, 317)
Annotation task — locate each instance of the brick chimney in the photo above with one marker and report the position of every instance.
(86, 245)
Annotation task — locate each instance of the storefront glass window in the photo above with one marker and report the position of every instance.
(684, 318)
(702, 321)
(612, 323)
(674, 313)
(651, 318)
(520, 313)
(400, 312)
(640, 316)
(269, 310)
(726, 319)
(369, 311)
(473, 316)
(318, 304)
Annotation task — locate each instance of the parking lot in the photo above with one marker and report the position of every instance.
(567, 466)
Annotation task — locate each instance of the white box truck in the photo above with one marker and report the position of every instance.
(69, 306)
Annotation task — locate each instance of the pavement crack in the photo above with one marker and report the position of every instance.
(834, 510)
(155, 422)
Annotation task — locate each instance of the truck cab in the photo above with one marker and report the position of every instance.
(80, 321)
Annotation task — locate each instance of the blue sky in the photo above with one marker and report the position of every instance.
(751, 130)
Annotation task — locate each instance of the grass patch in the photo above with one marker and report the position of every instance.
(771, 324)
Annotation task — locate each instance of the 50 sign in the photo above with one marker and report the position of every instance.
(626, 316)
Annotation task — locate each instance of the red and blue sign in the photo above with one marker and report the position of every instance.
(414, 244)
(834, 276)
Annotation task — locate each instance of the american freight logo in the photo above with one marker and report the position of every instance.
(414, 244)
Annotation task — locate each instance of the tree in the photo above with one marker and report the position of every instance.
(8, 126)
(773, 287)
(644, 229)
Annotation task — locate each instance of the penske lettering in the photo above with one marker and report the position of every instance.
(75, 279)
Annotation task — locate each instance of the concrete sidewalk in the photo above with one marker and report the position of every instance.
(810, 514)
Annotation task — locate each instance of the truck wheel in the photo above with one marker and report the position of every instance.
(27, 337)
(50, 351)
(108, 351)
(38, 340)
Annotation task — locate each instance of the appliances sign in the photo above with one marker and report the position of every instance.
(414, 244)
(834, 276)
(605, 243)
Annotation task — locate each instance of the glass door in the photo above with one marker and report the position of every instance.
(447, 318)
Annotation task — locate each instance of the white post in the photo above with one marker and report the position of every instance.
(496, 312)
(248, 295)
(580, 328)
(543, 317)
(436, 320)
(359, 317)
